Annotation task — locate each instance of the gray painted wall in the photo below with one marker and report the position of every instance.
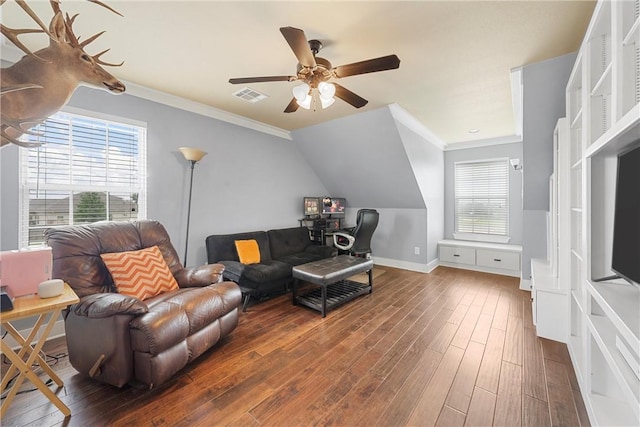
(361, 157)
(399, 231)
(376, 162)
(427, 163)
(512, 151)
(544, 85)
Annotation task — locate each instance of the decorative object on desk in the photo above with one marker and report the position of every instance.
(193, 155)
(41, 83)
(315, 72)
(6, 298)
(311, 207)
(50, 288)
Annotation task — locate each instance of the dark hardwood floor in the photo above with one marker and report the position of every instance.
(448, 348)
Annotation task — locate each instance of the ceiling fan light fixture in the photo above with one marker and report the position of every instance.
(327, 102)
(327, 90)
(306, 102)
(301, 92)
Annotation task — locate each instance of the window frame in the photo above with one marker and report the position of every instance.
(26, 186)
(477, 236)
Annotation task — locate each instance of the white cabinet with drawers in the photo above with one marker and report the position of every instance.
(487, 257)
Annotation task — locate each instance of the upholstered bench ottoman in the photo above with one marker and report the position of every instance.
(330, 276)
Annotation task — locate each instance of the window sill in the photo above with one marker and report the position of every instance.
(488, 238)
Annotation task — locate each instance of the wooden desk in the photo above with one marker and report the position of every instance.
(27, 306)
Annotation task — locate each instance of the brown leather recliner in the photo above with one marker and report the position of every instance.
(117, 338)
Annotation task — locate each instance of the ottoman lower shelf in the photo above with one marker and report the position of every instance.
(337, 294)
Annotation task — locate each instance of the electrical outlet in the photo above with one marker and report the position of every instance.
(416, 250)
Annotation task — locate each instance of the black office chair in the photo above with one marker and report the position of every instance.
(358, 240)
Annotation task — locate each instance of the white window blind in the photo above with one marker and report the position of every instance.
(482, 197)
(86, 170)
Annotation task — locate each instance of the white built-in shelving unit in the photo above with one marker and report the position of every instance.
(603, 116)
(550, 276)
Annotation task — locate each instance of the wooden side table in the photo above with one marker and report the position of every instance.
(27, 306)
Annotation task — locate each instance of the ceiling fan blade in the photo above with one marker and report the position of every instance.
(383, 63)
(349, 97)
(262, 79)
(300, 46)
(292, 107)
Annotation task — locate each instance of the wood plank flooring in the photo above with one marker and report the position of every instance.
(449, 348)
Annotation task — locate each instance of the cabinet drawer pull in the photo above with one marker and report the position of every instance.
(456, 254)
(497, 259)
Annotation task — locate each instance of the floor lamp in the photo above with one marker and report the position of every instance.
(193, 155)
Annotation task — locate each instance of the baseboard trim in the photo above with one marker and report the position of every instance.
(405, 265)
(525, 285)
(56, 332)
(481, 269)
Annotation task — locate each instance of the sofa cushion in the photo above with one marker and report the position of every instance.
(288, 241)
(248, 251)
(141, 274)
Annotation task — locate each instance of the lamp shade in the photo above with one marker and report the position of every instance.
(192, 154)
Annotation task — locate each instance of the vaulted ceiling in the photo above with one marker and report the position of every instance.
(456, 56)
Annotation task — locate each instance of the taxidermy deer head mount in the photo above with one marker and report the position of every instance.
(41, 83)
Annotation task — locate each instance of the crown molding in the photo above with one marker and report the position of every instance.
(507, 139)
(204, 110)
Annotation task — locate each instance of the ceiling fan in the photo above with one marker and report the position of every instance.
(315, 71)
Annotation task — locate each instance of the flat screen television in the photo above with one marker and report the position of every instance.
(625, 257)
(311, 206)
(333, 207)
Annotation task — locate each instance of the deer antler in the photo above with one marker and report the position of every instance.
(75, 41)
(90, 39)
(14, 34)
(106, 7)
(99, 61)
(8, 123)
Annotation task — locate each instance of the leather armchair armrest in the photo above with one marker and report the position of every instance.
(99, 306)
(203, 275)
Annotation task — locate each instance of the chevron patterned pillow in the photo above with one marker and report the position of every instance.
(141, 274)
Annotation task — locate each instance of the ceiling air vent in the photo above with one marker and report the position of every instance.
(250, 95)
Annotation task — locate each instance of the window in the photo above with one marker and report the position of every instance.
(482, 200)
(86, 170)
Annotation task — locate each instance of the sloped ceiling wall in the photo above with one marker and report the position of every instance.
(362, 158)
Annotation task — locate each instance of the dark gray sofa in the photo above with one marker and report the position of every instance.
(280, 250)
